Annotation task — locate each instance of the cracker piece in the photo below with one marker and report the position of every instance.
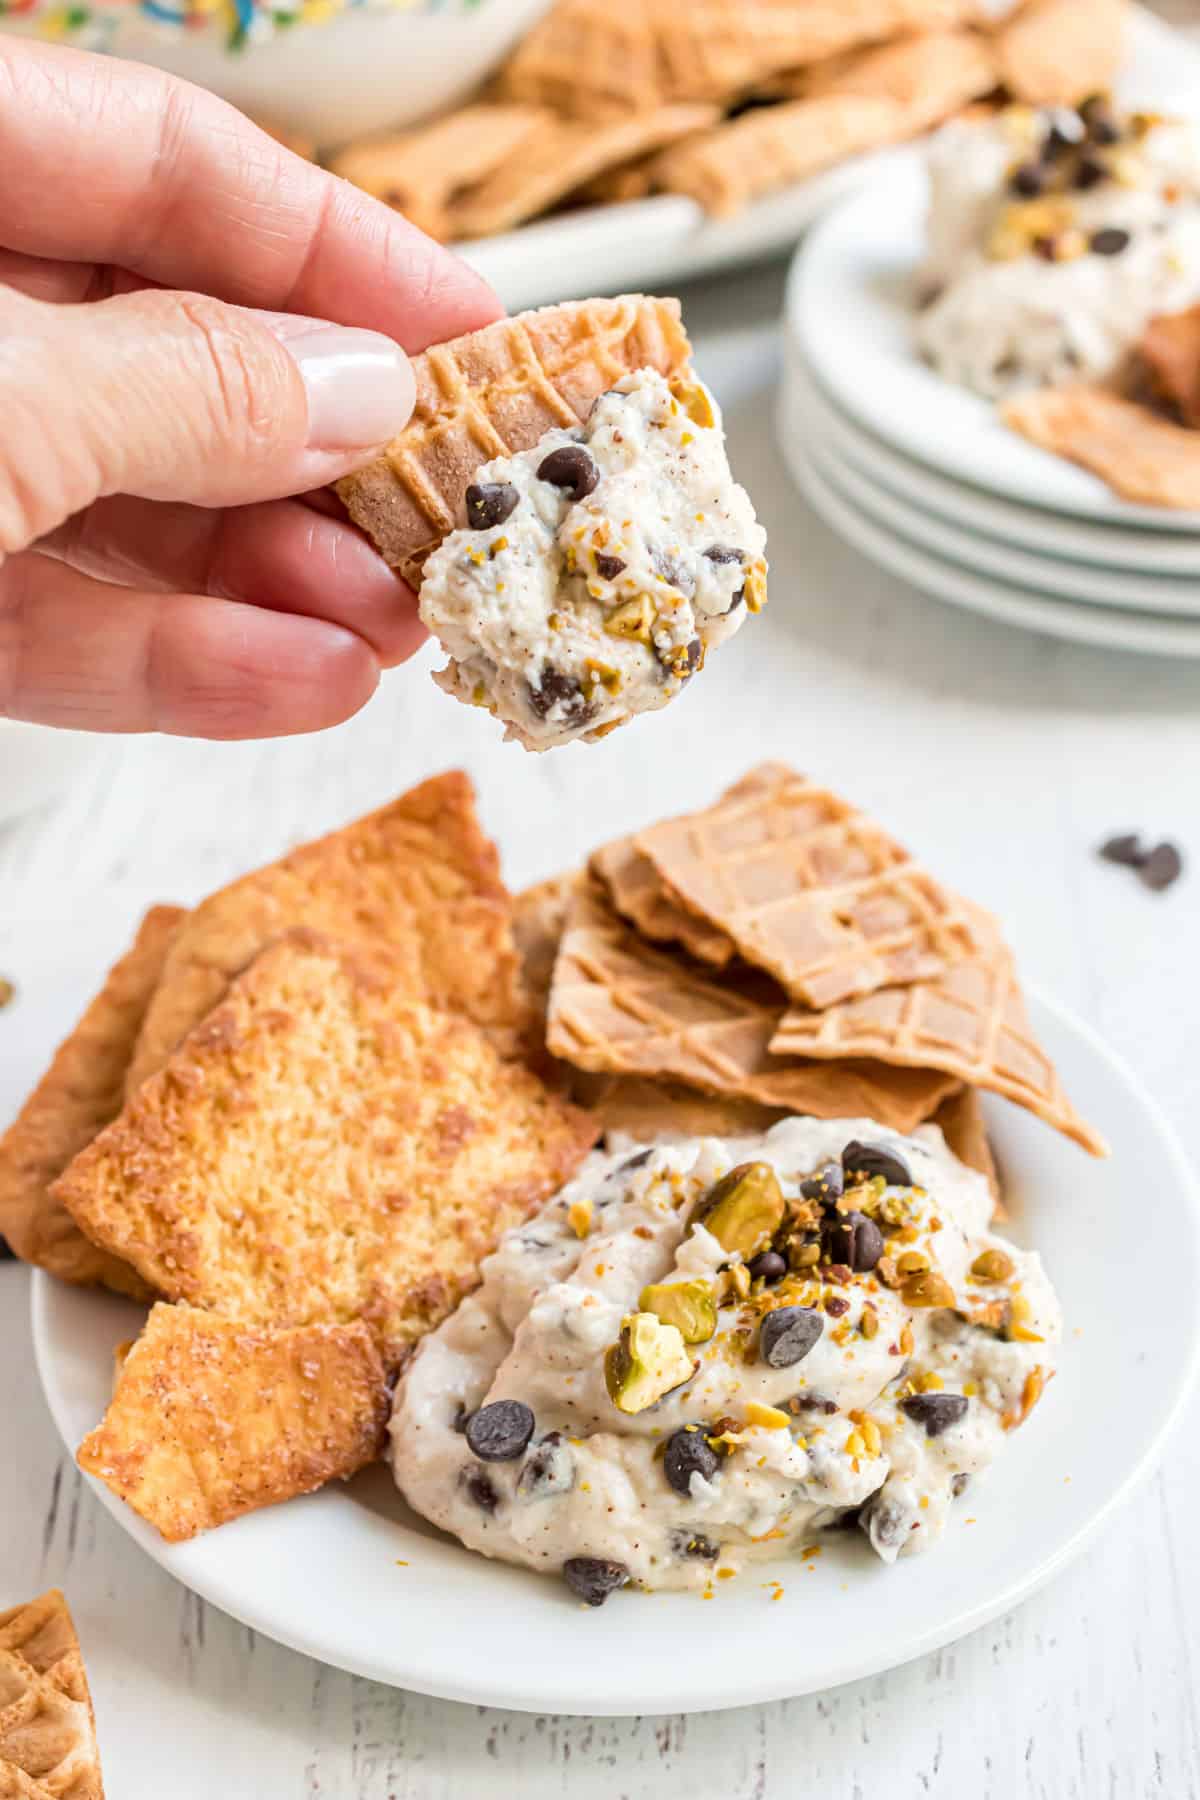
(211, 1419)
(1058, 52)
(1141, 456)
(81, 1091)
(47, 1725)
(323, 1148)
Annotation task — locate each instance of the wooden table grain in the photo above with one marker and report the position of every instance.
(1005, 757)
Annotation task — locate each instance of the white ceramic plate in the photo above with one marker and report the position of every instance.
(1100, 546)
(350, 1577)
(851, 308)
(660, 243)
(1027, 569)
(1111, 629)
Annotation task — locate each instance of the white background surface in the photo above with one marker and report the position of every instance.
(1004, 758)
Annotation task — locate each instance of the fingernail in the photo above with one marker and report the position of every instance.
(359, 383)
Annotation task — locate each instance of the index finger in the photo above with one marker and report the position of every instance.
(157, 176)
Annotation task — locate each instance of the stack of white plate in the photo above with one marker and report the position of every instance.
(925, 479)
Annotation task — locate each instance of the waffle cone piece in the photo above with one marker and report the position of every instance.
(47, 1726)
(81, 1092)
(811, 890)
(618, 1006)
(962, 1124)
(929, 77)
(494, 392)
(1140, 455)
(970, 1022)
(639, 894)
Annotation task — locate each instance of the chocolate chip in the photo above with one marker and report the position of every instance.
(549, 1469)
(812, 1402)
(570, 467)
(786, 1335)
(1090, 173)
(689, 1453)
(7, 1253)
(673, 572)
(1046, 247)
(887, 1523)
(490, 503)
(1163, 866)
(478, 1487)
(936, 1412)
(1125, 848)
(836, 1307)
(691, 659)
(554, 688)
(1098, 117)
(827, 1185)
(960, 1484)
(768, 1266)
(462, 1419)
(608, 567)
(1057, 144)
(594, 1578)
(724, 553)
(854, 1239)
(694, 1546)
(876, 1159)
(500, 1432)
(639, 1160)
(1028, 180)
(1108, 242)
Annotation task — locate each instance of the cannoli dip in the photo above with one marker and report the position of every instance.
(1053, 238)
(702, 1353)
(599, 569)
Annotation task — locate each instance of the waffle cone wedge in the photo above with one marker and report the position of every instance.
(930, 76)
(639, 894)
(1141, 455)
(47, 1726)
(970, 1022)
(80, 1093)
(962, 1124)
(810, 889)
(618, 1006)
(494, 392)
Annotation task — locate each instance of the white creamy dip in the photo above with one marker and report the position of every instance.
(873, 1399)
(1057, 284)
(603, 565)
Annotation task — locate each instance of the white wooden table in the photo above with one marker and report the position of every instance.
(1004, 758)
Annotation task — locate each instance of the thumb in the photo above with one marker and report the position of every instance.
(180, 397)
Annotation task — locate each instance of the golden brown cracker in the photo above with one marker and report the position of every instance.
(81, 1091)
(418, 879)
(929, 77)
(47, 1725)
(1058, 52)
(323, 1148)
(211, 1419)
(1141, 456)
(639, 894)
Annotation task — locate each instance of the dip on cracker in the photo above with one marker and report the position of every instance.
(703, 1352)
(598, 568)
(1054, 236)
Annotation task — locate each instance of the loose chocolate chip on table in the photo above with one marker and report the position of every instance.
(768, 1266)
(554, 687)
(500, 1432)
(608, 567)
(570, 467)
(724, 553)
(1108, 242)
(490, 503)
(936, 1412)
(876, 1159)
(594, 1578)
(7, 1253)
(478, 1487)
(1125, 848)
(854, 1239)
(689, 1453)
(786, 1335)
(1028, 180)
(827, 1185)
(1163, 866)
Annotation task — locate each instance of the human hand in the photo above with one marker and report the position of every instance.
(154, 576)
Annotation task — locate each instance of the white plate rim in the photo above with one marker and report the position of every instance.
(1098, 548)
(1009, 564)
(752, 1689)
(881, 382)
(956, 586)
